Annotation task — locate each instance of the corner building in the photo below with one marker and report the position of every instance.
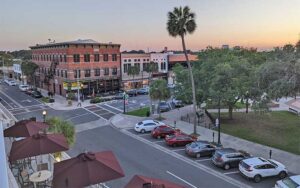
(95, 66)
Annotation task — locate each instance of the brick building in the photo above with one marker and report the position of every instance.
(95, 65)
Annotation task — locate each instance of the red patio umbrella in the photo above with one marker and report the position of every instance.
(38, 144)
(139, 181)
(87, 169)
(25, 128)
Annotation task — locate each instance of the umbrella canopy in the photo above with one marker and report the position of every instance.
(139, 181)
(25, 128)
(38, 144)
(87, 169)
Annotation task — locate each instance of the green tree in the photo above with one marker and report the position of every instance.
(28, 68)
(159, 91)
(150, 69)
(133, 71)
(181, 22)
(58, 125)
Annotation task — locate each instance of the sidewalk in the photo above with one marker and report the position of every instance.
(61, 103)
(291, 161)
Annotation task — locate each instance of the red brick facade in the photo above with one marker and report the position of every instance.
(99, 66)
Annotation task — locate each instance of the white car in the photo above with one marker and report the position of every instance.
(257, 168)
(11, 82)
(23, 87)
(147, 125)
(289, 182)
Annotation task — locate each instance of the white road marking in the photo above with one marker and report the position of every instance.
(178, 149)
(188, 183)
(144, 134)
(158, 141)
(200, 160)
(114, 107)
(235, 172)
(27, 112)
(77, 116)
(15, 102)
(7, 103)
(95, 114)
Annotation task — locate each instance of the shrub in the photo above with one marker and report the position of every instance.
(96, 100)
(45, 99)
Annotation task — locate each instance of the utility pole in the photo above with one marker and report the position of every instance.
(78, 85)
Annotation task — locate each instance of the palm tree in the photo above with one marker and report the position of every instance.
(133, 71)
(181, 22)
(152, 67)
(159, 91)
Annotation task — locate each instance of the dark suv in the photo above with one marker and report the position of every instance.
(228, 158)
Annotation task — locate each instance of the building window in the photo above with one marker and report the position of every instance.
(86, 57)
(145, 66)
(57, 73)
(162, 66)
(96, 58)
(139, 60)
(66, 74)
(76, 58)
(134, 60)
(125, 60)
(137, 65)
(114, 71)
(125, 68)
(60, 58)
(87, 73)
(106, 71)
(114, 57)
(65, 58)
(129, 60)
(97, 72)
(105, 57)
(61, 73)
(77, 73)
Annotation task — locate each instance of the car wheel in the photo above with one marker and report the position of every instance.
(143, 131)
(198, 155)
(174, 145)
(226, 166)
(282, 174)
(257, 178)
(158, 137)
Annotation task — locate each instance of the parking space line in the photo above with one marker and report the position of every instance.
(188, 183)
(144, 134)
(178, 149)
(158, 141)
(235, 172)
(200, 160)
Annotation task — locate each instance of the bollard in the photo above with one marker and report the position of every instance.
(213, 134)
(175, 124)
(270, 154)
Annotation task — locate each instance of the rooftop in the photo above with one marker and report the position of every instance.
(79, 41)
(181, 57)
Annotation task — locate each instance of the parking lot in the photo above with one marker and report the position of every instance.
(203, 162)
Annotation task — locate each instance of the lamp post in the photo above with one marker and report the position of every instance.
(44, 115)
(78, 86)
(218, 122)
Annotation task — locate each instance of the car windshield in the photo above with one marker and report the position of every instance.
(245, 165)
(140, 123)
(273, 163)
(290, 183)
(217, 155)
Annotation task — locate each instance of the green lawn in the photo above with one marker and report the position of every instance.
(142, 112)
(276, 129)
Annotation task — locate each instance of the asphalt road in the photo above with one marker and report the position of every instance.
(136, 157)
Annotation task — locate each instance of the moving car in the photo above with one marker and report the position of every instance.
(131, 92)
(228, 158)
(147, 125)
(36, 94)
(164, 106)
(162, 131)
(143, 91)
(24, 87)
(118, 96)
(289, 182)
(179, 139)
(257, 168)
(177, 103)
(200, 148)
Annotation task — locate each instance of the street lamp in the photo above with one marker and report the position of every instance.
(218, 122)
(44, 115)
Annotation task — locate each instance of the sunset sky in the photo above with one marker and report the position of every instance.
(141, 24)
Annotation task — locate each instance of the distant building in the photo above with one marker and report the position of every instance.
(18, 74)
(96, 66)
(225, 46)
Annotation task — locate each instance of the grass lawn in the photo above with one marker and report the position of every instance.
(142, 112)
(276, 129)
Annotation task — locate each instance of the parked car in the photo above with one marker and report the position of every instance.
(228, 158)
(36, 94)
(143, 91)
(118, 96)
(29, 91)
(289, 182)
(179, 140)
(131, 92)
(177, 103)
(164, 106)
(147, 125)
(23, 87)
(10, 82)
(201, 148)
(162, 131)
(257, 168)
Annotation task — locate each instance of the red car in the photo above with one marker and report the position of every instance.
(179, 140)
(162, 131)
